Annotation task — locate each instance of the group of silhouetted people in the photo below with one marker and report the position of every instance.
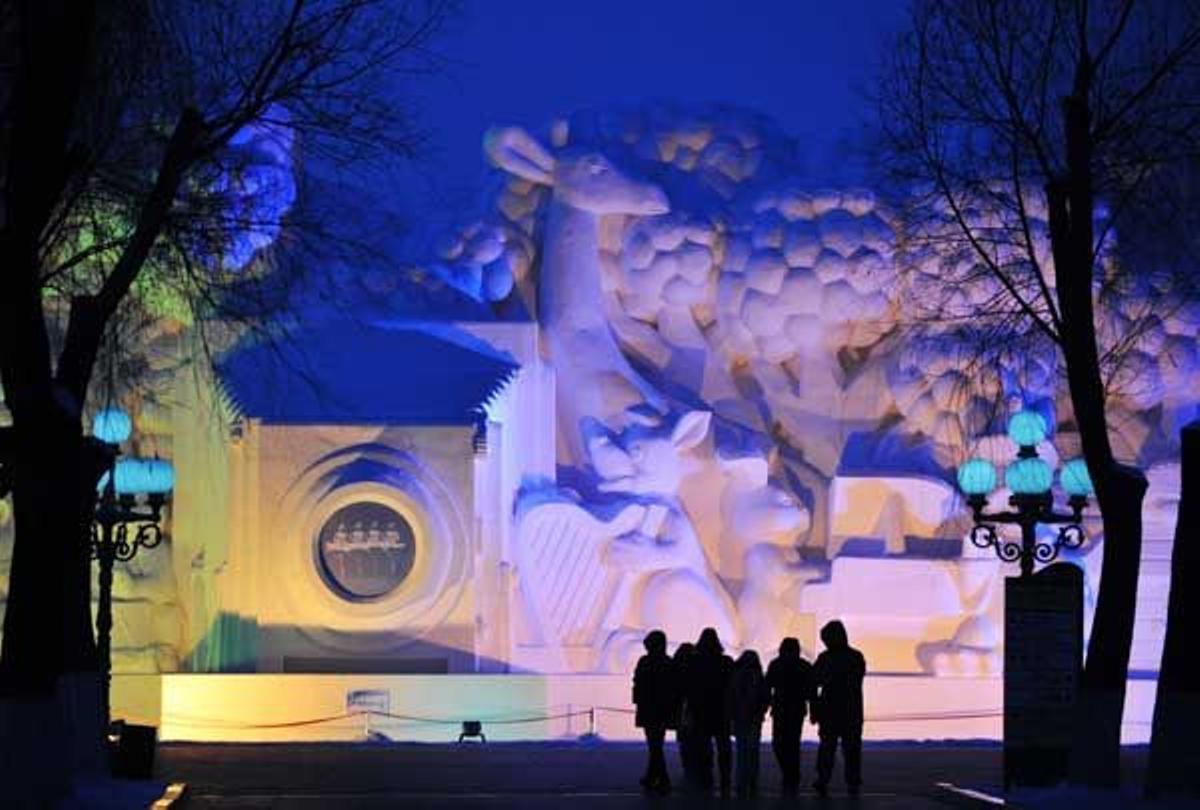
(707, 697)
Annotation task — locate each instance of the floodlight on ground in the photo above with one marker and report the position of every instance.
(472, 729)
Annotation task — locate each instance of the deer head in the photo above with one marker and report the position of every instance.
(754, 507)
(646, 460)
(582, 179)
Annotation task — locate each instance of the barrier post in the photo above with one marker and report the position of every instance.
(592, 721)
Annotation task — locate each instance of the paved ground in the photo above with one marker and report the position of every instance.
(553, 775)
(494, 776)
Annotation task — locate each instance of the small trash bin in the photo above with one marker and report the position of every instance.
(133, 753)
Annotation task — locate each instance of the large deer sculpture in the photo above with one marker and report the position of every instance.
(596, 379)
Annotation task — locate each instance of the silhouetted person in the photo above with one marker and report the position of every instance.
(747, 706)
(790, 679)
(685, 728)
(708, 682)
(838, 708)
(655, 693)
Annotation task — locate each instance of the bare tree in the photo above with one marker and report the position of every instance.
(135, 139)
(1037, 130)
(1174, 766)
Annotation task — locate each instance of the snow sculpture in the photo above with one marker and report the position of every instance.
(738, 405)
(769, 603)
(778, 308)
(258, 182)
(950, 396)
(655, 570)
(487, 260)
(679, 589)
(755, 511)
(932, 615)
(565, 579)
(890, 509)
(570, 304)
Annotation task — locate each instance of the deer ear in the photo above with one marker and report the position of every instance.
(515, 150)
(691, 429)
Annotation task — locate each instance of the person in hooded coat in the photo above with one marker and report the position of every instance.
(655, 693)
(838, 709)
(789, 678)
(747, 706)
(708, 683)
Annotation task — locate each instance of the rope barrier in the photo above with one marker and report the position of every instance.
(964, 715)
(891, 718)
(485, 720)
(212, 722)
(540, 718)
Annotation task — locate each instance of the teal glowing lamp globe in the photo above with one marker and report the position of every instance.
(112, 425)
(1075, 479)
(159, 476)
(976, 477)
(142, 476)
(1029, 476)
(1027, 428)
(129, 477)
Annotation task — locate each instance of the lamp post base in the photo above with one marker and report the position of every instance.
(1043, 660)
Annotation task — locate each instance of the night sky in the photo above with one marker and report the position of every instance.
(805, 63)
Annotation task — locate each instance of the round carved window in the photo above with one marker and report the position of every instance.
(365, 550)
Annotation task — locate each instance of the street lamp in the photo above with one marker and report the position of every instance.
(128, 514)
(1029, 479)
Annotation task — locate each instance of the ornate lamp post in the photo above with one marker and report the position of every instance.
(132, 494)
(1029, 478)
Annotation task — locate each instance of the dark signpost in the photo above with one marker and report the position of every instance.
(1043, 658)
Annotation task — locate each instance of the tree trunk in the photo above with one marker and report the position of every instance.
(1095, 756)
(1174, 755)
(49, 680)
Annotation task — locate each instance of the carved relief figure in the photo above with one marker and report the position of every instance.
(594, 378)
(776, 308)
(645, 567)
(678, 588)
